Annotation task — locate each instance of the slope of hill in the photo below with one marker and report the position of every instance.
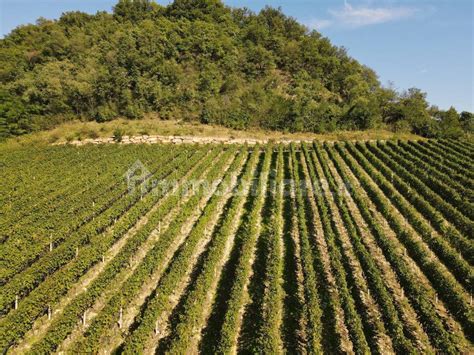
(308, 248)
(77, 131)
(198, 60)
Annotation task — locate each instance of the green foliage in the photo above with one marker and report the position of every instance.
(467, 121)
(133, 111)
(417, 292)
(15, 115)
(450, 124)
(206, 10)
(397, 191)
(134, 10)
(118, 135)
(413, 109)
(375, 238)
(105, 113)
(197, 60)
(161, 302)
(362, 115)
(65, 323)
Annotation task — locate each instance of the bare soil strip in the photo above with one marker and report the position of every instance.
(405, 310)
(163, 322)
(294, 322)
(403, 254)
(135, 263)
(246, 296)
(235, 208)
(323, 253)
(434, 233)
(42, 324)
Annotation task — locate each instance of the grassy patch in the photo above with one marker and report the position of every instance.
(150, 125)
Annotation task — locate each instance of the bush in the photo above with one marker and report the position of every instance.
(194, 60)
(118, 135)
(3, 128)
(105, 113)
(205, 116)
(402, 126)
(92, 134)
(133, 112)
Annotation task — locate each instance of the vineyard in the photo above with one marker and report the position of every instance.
(352, 247)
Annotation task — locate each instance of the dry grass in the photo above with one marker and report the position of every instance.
(77, 130)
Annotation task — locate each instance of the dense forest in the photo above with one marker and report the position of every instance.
(199, 60)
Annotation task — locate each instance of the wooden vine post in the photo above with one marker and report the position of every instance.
(120, 321)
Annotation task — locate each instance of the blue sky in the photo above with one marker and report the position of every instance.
(423, 43)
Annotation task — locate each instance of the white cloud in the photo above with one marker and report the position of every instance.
(320, 24)
(363, 15)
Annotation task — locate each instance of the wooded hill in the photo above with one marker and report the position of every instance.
(199, 60)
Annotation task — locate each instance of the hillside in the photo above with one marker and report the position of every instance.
(308, 248)
(198, 60)
(83, 132)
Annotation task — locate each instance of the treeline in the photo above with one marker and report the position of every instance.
(199, 60)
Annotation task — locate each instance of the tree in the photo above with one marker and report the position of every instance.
(3, 128)
(15, 115)
(364, 114)
(206, 10)
(210, 80)
(413, 108)
(135, 10)
(75, 18)
(197, 59)
(258, 62)
(467, 121)
(450, 125)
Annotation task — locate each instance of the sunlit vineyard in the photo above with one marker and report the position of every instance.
(322, 248)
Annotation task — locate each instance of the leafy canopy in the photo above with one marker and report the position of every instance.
(197, 60)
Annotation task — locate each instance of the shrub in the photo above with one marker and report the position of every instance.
(402, 126)
(133, 112)
(105, 113)
(118, 135)
(92, 134)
